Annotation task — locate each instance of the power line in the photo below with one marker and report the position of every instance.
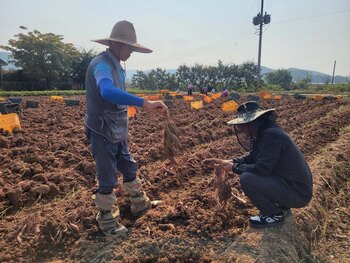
(310, 17)
(248, 17)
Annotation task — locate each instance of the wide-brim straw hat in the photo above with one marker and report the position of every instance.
(124, 32)
(248, 112)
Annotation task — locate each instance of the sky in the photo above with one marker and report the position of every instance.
(305, 34)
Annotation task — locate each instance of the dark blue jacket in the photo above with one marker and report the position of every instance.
(275, 154)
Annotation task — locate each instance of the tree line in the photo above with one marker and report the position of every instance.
(220, 76)
(45, 59)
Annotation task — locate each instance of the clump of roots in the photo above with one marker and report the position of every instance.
(171, 141)
(222, 186)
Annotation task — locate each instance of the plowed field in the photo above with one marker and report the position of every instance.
(47, 178)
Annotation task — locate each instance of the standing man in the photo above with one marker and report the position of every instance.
(273, 174)
(107, 125)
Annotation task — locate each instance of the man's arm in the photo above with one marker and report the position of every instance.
(108, 90)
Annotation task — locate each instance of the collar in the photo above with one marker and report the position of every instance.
(120, 70)
(113, 59)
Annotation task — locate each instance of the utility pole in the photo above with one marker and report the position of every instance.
(335, 62)
(260, 20)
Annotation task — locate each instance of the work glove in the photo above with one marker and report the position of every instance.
(239, 168)
(238, 160)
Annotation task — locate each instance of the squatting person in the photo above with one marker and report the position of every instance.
(107, 125)
(273, 174)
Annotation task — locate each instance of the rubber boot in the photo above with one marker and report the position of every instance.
(109, 225)
(140, 202)
(107, 221)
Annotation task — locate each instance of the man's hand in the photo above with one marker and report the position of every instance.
(156, 106)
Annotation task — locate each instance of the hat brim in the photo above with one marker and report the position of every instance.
(136, 47)
(249, 118)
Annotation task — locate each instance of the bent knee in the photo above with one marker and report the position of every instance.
(246, 179)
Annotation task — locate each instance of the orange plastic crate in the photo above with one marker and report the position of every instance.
(197, 105)
(132, 112)
(265, 95)
(56, 98)
(318, 97)
(208, 99)
(215, 96)
(229, 106)
(9, 122)
(187, 98)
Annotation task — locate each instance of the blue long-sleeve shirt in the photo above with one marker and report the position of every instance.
(109, 92)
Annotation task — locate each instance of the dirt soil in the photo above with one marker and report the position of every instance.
(47, 179)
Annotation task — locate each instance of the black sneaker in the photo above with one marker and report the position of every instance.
(266, 221)
(285, 210)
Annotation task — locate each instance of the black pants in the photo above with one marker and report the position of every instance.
(268, 193)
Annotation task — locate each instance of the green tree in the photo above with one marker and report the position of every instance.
(172, 82)
(184, 76)
(231, 76)
(304, 83)
(198, 75)
(281, 77)
(140, 80)
(43, 56)
(156, 79)
(248, 78)
(80, 65)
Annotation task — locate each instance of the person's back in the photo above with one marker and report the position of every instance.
(291, 164)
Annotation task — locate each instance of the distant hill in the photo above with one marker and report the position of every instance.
(265, 70)
(297, 74)
(316, 77)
